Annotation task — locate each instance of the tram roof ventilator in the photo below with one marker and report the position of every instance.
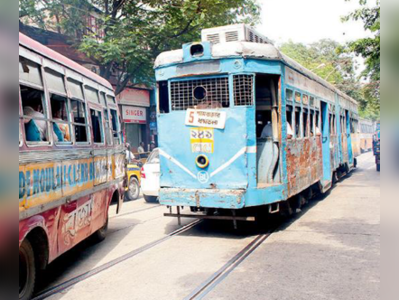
(234, 33)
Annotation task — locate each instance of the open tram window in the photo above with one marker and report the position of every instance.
(312, 122)
(80, 122)
(290, 132)
(298, 130)
(97, 126)
(35, 115)
(305, 123)
(60, 115)
(164, 103)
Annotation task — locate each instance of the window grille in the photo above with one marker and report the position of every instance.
(244, 90)
(215, 94)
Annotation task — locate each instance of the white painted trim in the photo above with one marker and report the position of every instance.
(230, 162)
(173, 160)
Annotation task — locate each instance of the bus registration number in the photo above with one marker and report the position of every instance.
(202, 140)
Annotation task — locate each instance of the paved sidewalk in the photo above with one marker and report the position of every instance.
(332, 251)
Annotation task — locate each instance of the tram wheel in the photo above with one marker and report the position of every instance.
(27, 271)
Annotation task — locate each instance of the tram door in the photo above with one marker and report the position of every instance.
(267, 129)
(349, 137)
(325, 125)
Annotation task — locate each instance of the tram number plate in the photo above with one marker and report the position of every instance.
(202, 140)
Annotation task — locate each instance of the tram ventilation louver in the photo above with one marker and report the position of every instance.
(216, 93)
(233, 33)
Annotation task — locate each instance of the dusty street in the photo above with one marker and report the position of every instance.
(329, 251)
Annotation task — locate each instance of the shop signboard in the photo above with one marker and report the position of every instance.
(133, 114)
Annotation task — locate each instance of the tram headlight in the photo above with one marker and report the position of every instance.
(202, 161)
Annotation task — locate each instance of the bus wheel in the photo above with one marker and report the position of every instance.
(101, 234)
(134, 190)
(27, 271)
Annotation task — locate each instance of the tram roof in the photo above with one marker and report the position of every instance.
(249, 50)
(42, 50)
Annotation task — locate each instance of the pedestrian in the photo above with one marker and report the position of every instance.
(129, 155)
(141, 148)
(152, 146)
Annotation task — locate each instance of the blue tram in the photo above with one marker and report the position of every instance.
(242, 125)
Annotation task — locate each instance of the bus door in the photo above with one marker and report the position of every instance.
(325, 125)
(349, 137)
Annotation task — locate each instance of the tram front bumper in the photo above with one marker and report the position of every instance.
(223, 199)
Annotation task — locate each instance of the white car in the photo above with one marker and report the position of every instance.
(150, 177)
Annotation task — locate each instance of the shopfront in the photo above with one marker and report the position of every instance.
(135, 110)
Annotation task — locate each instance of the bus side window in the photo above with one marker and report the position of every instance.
(164, 103)
(97, 124)
(34, 110)
(116, 127)
(108, 132)
(61, 118)
(80, 121)
(33, 102)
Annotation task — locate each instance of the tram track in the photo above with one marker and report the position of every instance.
(219, 276)
(77, 279)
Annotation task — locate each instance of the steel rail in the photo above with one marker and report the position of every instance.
(214, 280)
(73, 281)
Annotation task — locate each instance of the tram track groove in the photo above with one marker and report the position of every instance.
(75, 280)
(219, 276)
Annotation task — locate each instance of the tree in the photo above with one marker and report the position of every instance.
(136, 31)
(327, 60)
(370, 50)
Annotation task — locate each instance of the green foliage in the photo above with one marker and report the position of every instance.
(327, 60)
(370, 50)
(137, 31)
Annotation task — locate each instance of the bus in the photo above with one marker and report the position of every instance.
(71, 157)
(242, 126)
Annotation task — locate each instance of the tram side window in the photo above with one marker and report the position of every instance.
(60, 114)
(305, 123)
(79, 118)
(97, 123)
(290, 95)
(312, 122)
(290, 132)
(164, 103)
(298, 133)
(319, 126)
(35, 116)
(116, 127)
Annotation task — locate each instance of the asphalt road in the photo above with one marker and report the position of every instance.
(331, 250)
